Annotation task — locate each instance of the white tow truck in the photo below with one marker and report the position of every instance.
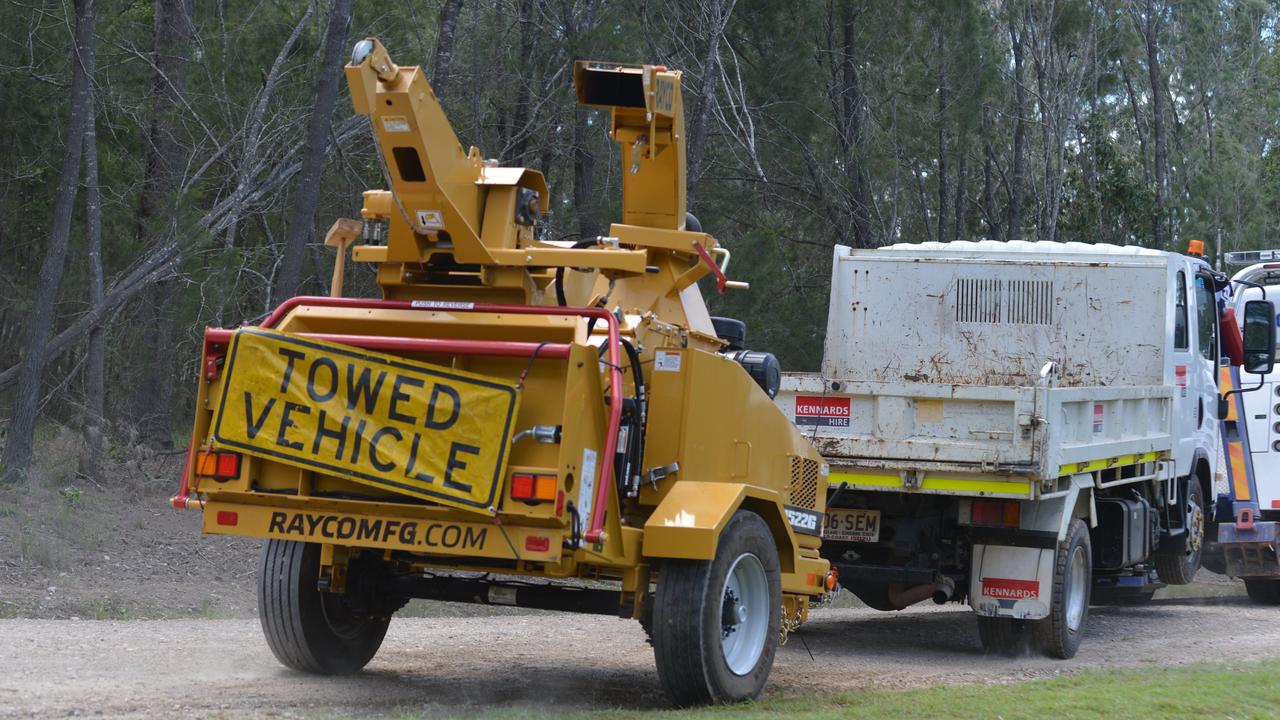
(1019, 426)
(1247, 508)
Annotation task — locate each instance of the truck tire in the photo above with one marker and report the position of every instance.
(308, 630)
(1179, 568)
(1009, 637)
(1263, 591)
(716, 623)
(1059, 634)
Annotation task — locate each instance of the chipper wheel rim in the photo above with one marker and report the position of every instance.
(744, 621)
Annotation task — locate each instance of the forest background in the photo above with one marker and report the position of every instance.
(173, 164)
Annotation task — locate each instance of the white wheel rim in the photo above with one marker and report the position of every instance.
(1077, 577)
(744, 614)
(1195, 525)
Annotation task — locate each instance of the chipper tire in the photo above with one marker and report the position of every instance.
(1059, 634)
(716, 623)
(1179, 568)
(308, 630)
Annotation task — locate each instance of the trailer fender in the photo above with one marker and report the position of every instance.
(688, 521)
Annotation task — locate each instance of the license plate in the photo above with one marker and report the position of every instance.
(419, 429)
(852, 526)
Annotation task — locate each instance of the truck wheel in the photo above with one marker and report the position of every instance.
(1263, 591)
(716, 623)
(308, 630)
(1003, 636)
(1058, 635)
(1179, 568)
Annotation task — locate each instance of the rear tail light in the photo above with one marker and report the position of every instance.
(533, 488)
(996, 513)
(220, 465)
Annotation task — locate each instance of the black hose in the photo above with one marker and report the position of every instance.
(636, 451)
(560, 272)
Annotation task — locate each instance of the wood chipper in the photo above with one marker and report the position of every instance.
(516, 421)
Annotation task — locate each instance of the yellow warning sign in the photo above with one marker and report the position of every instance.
(420, 429)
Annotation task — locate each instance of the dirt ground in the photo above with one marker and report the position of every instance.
(114, 605)
(461, 666)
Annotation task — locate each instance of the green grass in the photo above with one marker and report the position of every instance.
(1202, 692)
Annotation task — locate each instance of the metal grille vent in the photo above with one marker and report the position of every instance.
(978, 300)
(804, 482)
(1030, 302)
(1021, 302)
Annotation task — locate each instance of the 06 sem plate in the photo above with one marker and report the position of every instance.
(843, 525)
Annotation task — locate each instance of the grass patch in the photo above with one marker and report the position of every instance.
(1203, 692)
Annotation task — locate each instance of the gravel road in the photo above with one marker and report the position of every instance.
(462, 666)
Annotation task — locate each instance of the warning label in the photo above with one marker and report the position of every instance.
(820, 411)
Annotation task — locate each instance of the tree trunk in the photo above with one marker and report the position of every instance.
(851, 108)
(95, 359)
(961, 202)
(1013, 224)
(157, 220)
(944, 190)
(18, 448)
(521, 120)
(1151, 33)
(307, 192)
(449, 11)
(718, 12)
(584, 194)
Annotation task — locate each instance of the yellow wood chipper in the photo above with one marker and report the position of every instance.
(516, 421)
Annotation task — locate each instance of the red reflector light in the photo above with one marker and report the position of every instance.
(521, 486)
(537, 543)
(534, 488)
(994, 513)
(222, 465)
(228, 517)
(1275, 504)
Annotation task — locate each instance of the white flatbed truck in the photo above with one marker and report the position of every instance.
(1019, 426)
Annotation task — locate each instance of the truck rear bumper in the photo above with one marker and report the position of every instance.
(1250, 551)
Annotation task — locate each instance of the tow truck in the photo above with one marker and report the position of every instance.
(1246, 513)
(517, 420)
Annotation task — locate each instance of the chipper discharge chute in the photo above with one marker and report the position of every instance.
(514, 416)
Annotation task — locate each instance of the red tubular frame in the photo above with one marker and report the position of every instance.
(501, 348)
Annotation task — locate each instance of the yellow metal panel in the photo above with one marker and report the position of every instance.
(977, 485)
(1108, 462)
(385, 531)
(436, 433)
(865, 478)
(939, 483)
(689, 519)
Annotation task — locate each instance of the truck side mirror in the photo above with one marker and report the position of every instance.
(1259, 336)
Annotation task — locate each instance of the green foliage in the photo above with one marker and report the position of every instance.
(832, 121)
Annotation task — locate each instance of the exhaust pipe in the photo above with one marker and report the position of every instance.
(939, 590)
(943, 590)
